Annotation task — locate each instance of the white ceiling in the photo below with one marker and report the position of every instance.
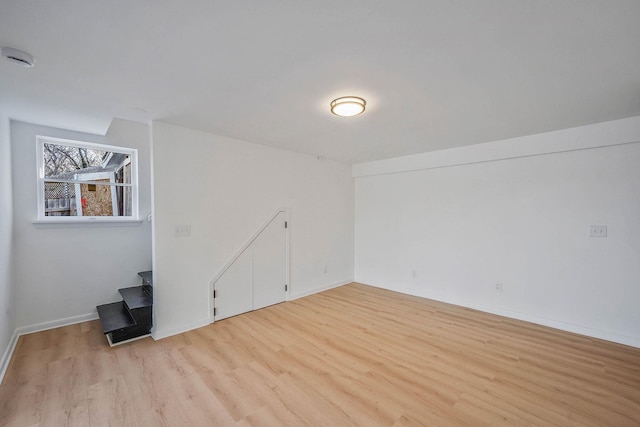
(435, 73)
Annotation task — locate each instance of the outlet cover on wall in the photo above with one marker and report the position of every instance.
(598, 231)
(183, 230)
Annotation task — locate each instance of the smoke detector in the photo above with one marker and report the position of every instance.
(18, 57)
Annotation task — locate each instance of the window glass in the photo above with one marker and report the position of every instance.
(82, 180)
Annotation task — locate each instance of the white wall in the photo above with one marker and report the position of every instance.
(451, 232)
(7, 312)
(225, 189)
(63, 272)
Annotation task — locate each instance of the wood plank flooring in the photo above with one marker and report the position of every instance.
(351, 356)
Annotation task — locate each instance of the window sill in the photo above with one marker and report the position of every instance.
(93, 222)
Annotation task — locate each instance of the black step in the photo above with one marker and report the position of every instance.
(136, 297)
(126, 334)
(147, 277)
(114, 316)
(139, 303)
(131, 318)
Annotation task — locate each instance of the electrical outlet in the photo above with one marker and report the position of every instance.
(598, 231)
(414, 274)
(498, 287)
(183, 230)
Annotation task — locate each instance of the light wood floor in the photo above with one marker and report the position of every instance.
(355, 355)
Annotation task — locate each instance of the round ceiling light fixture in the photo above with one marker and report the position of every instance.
(348, 106)
(18, 57)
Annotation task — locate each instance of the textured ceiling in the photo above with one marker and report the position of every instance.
(436, 74)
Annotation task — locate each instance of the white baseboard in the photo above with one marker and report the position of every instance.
(24, 330)
(296, 295)
(160, 334)
(6, 357)
(552, 323)
(557, 324)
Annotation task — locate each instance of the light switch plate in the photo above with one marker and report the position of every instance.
(598, 231)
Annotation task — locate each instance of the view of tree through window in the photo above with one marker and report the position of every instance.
(80, 179)
(62, 158)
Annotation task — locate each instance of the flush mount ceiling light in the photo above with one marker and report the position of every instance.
(18, 57)
(348, 106)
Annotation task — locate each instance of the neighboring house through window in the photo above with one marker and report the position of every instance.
(80, 181)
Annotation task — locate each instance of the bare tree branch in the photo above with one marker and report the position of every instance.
(60, 158)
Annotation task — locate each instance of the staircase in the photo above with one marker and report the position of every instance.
(131, 318)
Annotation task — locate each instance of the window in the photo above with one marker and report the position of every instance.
(80, 181)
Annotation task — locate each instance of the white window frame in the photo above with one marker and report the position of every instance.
(133, 157)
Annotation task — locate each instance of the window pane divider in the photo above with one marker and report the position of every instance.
(76, 181)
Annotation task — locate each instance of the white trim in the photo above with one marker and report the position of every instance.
(89, 221)
(90, 177)
(83, 144)
(6, 357)
(287, 261)
(158, 335)
(115, 209)
(551, 323)
(616, 132)
(320, 289)
(78, 192)
(75, 181)
(44, 326)
(212, 302)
